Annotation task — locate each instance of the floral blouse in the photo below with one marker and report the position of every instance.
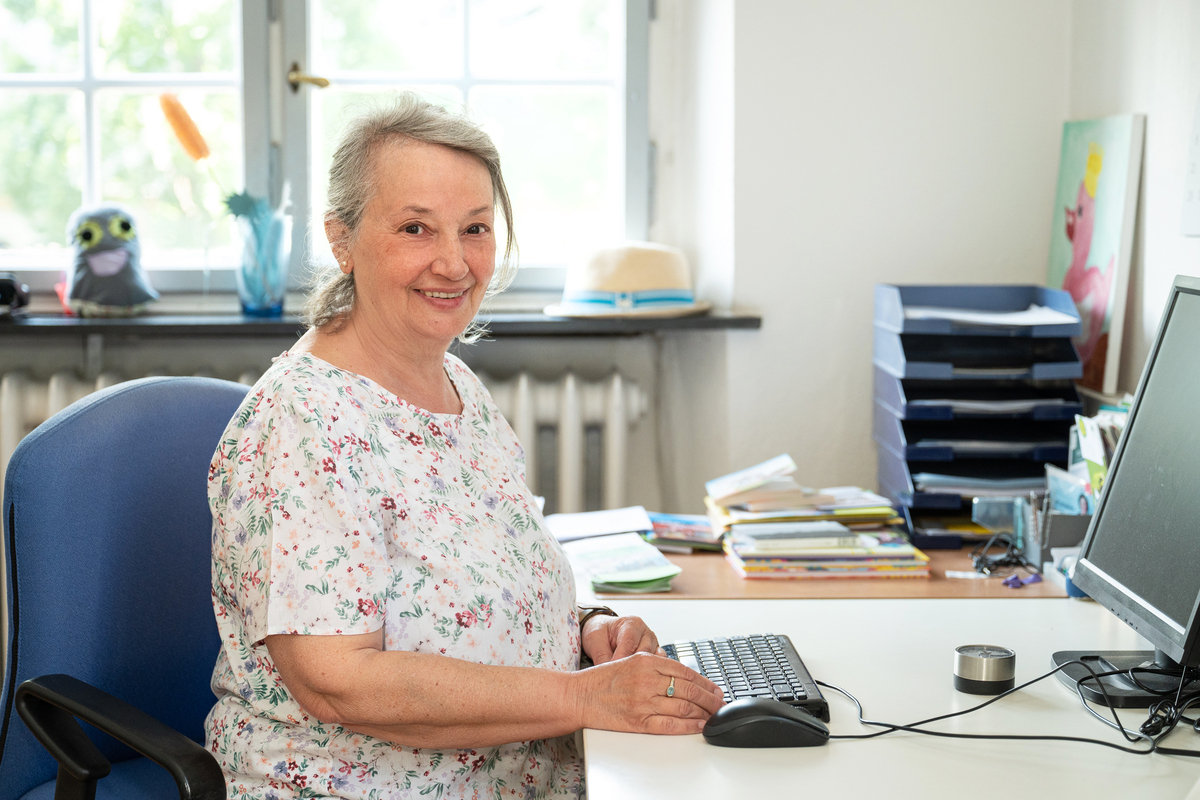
(340, 509)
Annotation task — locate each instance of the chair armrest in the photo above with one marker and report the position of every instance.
(49, 706)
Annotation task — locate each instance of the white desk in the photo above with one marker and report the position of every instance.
(896, 656)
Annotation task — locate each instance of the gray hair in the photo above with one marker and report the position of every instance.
(351, 184)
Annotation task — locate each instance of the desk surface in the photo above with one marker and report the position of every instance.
(707, 576)
(897, 659)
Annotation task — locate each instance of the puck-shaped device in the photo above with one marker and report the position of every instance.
(984, 669)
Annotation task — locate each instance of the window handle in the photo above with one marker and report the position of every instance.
(296, 77)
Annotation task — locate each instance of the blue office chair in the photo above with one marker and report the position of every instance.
(107, 536)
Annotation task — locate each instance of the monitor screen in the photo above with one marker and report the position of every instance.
(1141, 558)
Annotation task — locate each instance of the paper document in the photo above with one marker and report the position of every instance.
(853, 497)
(991, 406)
(990, 372)
(625, 562)
(585, 524)
(1068, 494)
(990, 446)
(977, 487)
(1034, 315)
(1091, 444)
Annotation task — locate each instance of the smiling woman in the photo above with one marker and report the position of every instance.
(372, 148)
(396, 620)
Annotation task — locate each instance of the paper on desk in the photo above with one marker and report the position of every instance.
(1034, 315)
(622, 559)
(586, 524)
(852, 497)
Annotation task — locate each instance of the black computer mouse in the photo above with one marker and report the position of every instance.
(764, 722)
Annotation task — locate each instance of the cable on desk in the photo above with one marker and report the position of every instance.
(1170, 713)
(1010, 559)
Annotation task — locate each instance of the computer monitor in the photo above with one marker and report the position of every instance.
(1141, 556)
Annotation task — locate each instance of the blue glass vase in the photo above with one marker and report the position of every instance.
(266, 253)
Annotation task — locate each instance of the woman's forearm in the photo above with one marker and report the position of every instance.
(424, 700)
(427, 700)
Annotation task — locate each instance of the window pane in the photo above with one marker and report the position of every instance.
(413, 38)
(166, 35)
(532, 38)
(40, 184)
(39, 36)
(179, 203)
(332, 108)
(561, 164)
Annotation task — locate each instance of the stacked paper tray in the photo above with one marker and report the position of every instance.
(972, 389)
(916, 398)
(898, 479)
(891, 302)
(950, 357)
(957, 439)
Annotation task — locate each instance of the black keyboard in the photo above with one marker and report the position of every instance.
(753, 666)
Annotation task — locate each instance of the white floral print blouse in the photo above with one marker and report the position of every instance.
(339, 509)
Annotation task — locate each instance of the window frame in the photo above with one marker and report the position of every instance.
(277, 147)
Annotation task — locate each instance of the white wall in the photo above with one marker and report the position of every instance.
(692, 122)
(1144, 57)
(873, 141)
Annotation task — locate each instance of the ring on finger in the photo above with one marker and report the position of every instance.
(671, 688)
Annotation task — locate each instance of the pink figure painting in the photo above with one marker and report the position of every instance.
(1090, 287)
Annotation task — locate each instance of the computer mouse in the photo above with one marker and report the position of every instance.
(764, 722)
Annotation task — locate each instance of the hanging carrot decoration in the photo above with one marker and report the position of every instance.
(185, 129)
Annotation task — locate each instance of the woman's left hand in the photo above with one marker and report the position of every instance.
(609, 638)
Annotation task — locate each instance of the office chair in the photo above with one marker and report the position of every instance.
(107, 538)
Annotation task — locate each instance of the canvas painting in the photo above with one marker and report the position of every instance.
(1091, 242)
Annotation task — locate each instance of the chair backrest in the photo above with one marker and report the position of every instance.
(107, 536)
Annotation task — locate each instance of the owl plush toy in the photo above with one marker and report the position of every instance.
(106, 278)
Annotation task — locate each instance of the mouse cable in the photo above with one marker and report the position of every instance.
(1130, 736)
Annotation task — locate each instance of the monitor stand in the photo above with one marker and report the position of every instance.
(1123, 692)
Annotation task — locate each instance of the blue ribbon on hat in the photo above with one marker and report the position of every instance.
(630, 301)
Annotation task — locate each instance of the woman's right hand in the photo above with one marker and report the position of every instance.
(630, 694)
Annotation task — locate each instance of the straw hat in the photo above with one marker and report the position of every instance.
(637, 279)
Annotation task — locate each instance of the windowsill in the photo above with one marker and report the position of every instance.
(510, 314)
(217, 303)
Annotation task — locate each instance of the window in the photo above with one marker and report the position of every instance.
(79, 86)
(559, 85)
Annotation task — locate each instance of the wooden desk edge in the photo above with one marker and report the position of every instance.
(708, 576)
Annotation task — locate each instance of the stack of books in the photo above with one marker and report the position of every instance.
(776, 528)
(821, 550)
(767, 493)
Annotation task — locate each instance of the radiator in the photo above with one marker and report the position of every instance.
(568, 405)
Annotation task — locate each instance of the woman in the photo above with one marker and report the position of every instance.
(395, 620)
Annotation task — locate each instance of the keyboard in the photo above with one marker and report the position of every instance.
(753, 666)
